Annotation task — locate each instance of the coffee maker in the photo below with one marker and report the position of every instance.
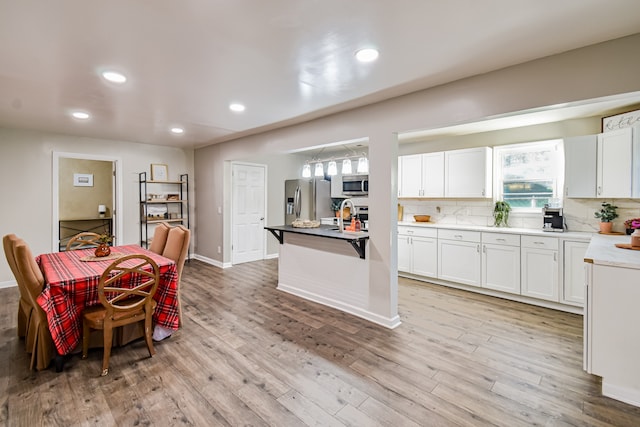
(552, 219)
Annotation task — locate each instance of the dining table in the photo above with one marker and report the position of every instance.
(71, 285)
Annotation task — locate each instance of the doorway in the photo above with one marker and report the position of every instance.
(248, 200)
(86, 197)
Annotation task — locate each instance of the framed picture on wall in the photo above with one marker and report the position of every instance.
(159, 172)
(83, 180)
(620, 121)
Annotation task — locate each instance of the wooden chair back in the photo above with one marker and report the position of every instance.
(83, 240)
(159, 238)
(125, 291)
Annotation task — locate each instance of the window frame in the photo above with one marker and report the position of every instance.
(498, 182)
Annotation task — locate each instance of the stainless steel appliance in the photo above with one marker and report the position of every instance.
(552, 219)
(307, 199)
(355, 185)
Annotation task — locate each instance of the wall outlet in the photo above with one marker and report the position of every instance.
(219, 210)
(219, 249)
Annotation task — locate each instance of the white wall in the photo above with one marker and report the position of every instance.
(26, 159)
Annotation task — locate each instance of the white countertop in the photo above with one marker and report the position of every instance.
(581, 235)
(602, 251)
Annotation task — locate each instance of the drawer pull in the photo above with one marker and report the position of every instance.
(538, 243)
(457, 236)
(501, 240)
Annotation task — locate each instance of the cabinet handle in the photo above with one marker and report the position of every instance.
(478, 248)
(457, 236)
(599, 190)
(538, 243)
(409, 231)
(484, 249)
(555, 256)
(501, 240)
(483, 192)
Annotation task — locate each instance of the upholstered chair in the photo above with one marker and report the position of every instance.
(177, 248)
(159, 238)
(24, 306)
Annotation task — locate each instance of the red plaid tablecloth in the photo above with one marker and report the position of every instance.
(72, 284)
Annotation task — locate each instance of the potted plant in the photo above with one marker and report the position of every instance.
(631, 225)
(606, 214)
(501, 214)
(335, 206)
(103, 248)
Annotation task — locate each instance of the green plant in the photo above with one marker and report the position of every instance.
(105, 238)
(335, 204)
(607, 213)
(501, 214)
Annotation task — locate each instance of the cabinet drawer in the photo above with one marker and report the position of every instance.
(417, 231)
(461, 235)
(501, 239)
(539, 242)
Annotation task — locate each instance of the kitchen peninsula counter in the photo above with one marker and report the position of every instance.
(328, 267)
(611, 344)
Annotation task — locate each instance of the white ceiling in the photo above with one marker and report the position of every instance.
(286, 60)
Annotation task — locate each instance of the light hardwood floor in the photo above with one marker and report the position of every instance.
(251, 355)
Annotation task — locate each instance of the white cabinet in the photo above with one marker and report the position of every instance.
(540, 267)
(614, 164)
(573, 291)
(580, 166)
(459, 257)
(468, 172)
(410, 180)
(418, 251)
(421, 175)
(501, 262)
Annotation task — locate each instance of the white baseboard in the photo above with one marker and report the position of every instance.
(271, 256)
(390, 323)
(8, 284)
(211, 261)
(624, 394)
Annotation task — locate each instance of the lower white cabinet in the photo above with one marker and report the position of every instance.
(540, 268)
(501, 262)
(573, 291)
(459, 257)
(418, 251)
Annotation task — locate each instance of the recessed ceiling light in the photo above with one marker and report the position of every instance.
(114, 76)
(238, 108)
(80, 115)
(177, 130)
(367, 55)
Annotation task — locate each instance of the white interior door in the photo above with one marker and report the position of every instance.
(248, 213)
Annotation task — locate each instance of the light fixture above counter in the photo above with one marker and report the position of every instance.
(332, 165)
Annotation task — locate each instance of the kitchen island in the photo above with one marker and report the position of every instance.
(611, 344)
(327, 266)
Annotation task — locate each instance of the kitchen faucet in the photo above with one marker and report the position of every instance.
(353, 212)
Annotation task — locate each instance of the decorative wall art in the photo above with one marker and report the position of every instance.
(83, 180)
(159, 172)
(620, 121)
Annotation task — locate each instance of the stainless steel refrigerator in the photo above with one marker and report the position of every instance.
(307, 199)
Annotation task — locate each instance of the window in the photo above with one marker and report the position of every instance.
(529, 175)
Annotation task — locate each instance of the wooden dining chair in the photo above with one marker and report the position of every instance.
(159, 238)
(83, 240)
(24, 306)
(125, 290)
(39, 342)
(177, 248)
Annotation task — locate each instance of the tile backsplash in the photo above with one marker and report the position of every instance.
(578, 213)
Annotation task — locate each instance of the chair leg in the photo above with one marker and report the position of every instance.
(148, 335)
(86, 331)
(108, 340)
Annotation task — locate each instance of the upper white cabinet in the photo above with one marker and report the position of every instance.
(468, 172)
(580, 153)
(604, 165)
(421, 175)
(457, 174)
(614, 164)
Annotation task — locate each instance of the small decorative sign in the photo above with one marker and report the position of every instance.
(83, 180)
(159, 172)
(620, 121)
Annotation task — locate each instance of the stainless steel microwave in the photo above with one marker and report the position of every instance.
(355, 185)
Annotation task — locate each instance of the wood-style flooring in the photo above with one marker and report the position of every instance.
(251, 355)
